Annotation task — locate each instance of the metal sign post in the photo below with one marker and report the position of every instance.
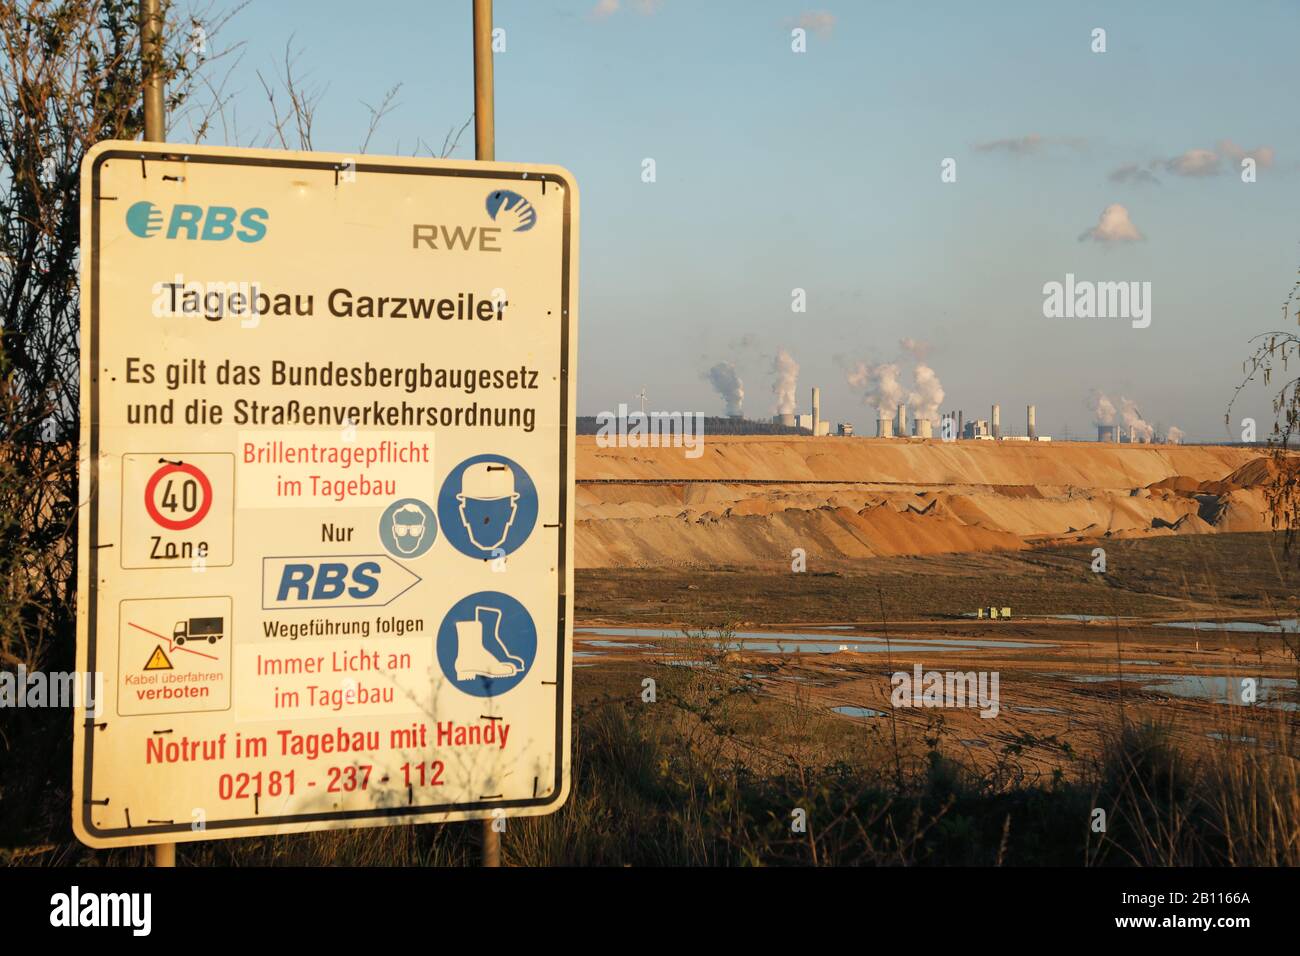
(155, 130)
(485, 148)
(484, 110)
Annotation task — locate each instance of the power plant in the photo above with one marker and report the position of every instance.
(882, 387)
(813, 423)
(1125, 425)
(954, 424)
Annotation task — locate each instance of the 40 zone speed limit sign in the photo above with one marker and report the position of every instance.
(327, 434)
(186, 507)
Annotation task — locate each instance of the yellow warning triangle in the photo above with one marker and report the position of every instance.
(158, 661)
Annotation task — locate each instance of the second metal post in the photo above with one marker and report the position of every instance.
(485, 148)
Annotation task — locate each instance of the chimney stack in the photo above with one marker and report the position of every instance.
(816, 408)
(1033, 429)
(900, 425)
(997, 421)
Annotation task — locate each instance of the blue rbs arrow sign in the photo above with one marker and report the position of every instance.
(358, 580)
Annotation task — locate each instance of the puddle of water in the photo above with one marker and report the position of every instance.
(616, 644)
(1149, 663)
(858, 711)
(1216, 689)
(1104, 678)
(1234, 738)
(1289, 625)
(1225, 690)
(786, 642)
(982, 642)
(1040, 710)
(975, 743)
(1086, 618)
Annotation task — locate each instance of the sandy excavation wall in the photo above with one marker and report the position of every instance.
(750, 500)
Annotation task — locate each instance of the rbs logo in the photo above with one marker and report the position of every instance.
(329, 581)
(211, 223)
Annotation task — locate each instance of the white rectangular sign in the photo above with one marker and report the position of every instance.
(327, 454)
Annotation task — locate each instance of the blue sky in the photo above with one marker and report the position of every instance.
(820, 171)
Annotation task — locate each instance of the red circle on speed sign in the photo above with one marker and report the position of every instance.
(200, 513)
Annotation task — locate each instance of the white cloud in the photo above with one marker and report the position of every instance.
(1113, 226)
(604, 9)
(1262, 155)
(1194, 162)
(818, 21)
(1019, 145)
(1133, 173)
(1030, 143)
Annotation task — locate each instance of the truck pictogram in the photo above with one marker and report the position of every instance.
(210, 629)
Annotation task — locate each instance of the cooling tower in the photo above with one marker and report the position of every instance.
(997, 421)
(921, 428)
(884, 427)
(787, 420)
(1033, 428)
(1107, 433)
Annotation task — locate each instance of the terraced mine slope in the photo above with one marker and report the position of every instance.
(749, 500)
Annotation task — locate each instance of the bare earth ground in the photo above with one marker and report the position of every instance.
(1060, 681)
(749, 501)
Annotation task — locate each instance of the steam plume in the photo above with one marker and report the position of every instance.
(785, 382)
(882, 385)
(1133, 420)
(927, 393)
(723, 377)
(1103, 409)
